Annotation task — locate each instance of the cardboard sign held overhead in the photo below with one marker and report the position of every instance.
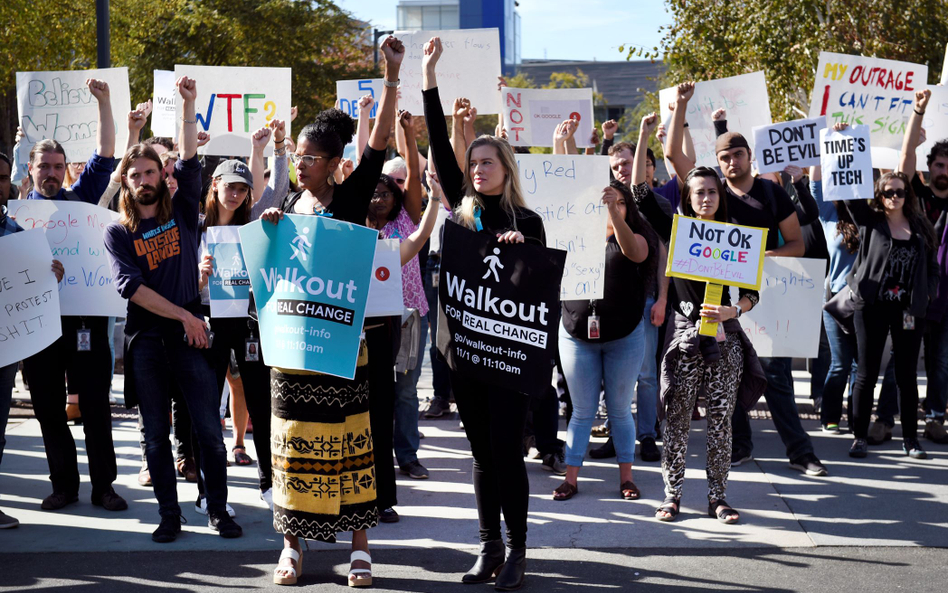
(846, 164)
(469, 67)
(789, 143)
(234, 102)
(532, 115)
(164, 100)
(348, 93)
(745, 99)
(58, 105)
(716, 252)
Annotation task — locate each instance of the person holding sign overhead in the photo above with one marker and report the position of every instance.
(724, 367)
(894, 280)
(300, 418)
(485, 196)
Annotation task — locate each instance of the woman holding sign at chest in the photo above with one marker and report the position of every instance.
(486, 196)
(308, 408)
(893, 280)
(692, 363)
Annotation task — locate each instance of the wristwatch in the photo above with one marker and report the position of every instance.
(739, 311)
(391, 84)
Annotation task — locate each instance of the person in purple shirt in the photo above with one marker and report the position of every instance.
(153, 249)
(83, 350)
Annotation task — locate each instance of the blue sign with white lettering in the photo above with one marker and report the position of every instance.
(310, 278)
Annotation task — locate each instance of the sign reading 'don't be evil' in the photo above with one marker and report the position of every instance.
(59, 106)
(566, 191)
(74, 231)
(310, 278)
(716, 252)
(29, 301)
(234, 102)
(846, 164)
(788, 143)
(532, 115)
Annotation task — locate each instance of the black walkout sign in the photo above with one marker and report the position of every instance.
(499, 309)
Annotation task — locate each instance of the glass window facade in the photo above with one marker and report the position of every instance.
(428, 17)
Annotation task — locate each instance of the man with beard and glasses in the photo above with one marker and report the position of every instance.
(934, 200)
(153, 249)
(83, 350)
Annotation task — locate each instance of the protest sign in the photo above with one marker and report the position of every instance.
(29, 298)
(229, 284)
(499, 304)
(935, 124)
(58, 105)
(566, 191)
(310, 278)
(443, 213)
(469, 67)
(532, 115)
(348, 93)
(786, 321)
(788, 143)
(164, 105)
(385, 288)
(868, 91)
(74, 231)
(745, 99)
(716, 252)
(234, 102)
(846, 164)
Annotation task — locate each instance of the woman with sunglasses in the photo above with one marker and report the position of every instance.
(893, 280)
(300, 398)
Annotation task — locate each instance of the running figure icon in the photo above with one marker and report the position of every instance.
(493, 263)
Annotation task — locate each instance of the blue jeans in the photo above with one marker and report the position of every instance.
(842, 371)
(160, 364)
(440, 373)
(647, 391)
(587, 365)
(406, 406)
(7, 381)
(783, 409)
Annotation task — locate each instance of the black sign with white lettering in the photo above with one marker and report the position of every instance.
(499, 309)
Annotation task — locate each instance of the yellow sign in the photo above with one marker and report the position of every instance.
(716, 252)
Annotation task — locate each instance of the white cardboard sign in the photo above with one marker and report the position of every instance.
(385, 288)
(348, 93)
(846, 164)
(789, 143)
(532, 115)
(745, 99)
(786, 321)
(566, 191)
(469, 67)
(59, 105)
(234, 102)
(164, 104)
(74, 231)
(29, 299)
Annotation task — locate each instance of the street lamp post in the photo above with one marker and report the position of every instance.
(375, 42)
(103, 43)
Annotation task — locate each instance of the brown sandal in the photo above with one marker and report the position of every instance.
(629, 490)
(565, 491)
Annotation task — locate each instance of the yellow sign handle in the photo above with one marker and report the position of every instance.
(712, 296)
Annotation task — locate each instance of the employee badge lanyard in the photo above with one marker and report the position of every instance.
(477, 218)
(592, 324)
(252, 346)
(83, 338)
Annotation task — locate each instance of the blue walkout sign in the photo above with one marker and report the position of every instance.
(229, 284)
(310, 278)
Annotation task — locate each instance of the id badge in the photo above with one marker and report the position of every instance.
(720, 336)
(908, 321)
(435, 279)
(83, 340)
(593, 327)
(252, 350)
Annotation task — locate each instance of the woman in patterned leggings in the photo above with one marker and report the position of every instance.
(691, 363)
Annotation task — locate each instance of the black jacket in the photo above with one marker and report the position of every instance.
(875, 243)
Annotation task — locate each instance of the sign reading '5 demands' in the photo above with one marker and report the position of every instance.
(310, 278)
(716, 252)
(500, 304)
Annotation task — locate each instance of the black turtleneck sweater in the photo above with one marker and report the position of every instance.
(494, 219)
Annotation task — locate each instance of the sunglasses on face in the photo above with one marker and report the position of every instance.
(893, 193)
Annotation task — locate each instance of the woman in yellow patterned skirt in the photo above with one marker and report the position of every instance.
(321, 443)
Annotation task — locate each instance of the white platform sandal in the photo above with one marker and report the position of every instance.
(288, 575)
(360, 577)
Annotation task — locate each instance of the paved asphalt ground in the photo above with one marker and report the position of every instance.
(879, 524)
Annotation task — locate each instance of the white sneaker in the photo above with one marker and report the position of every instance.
(267, 497)
(201, 507)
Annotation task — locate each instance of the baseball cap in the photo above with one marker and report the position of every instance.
(233, 171)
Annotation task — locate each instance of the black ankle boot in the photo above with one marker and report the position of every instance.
(488, 563)
(511, 575)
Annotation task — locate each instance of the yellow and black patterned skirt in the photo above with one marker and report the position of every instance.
(323, 464)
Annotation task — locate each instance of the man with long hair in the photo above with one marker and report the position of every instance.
(153, 250)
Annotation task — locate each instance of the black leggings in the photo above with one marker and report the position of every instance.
(873, 323)
(494, 419)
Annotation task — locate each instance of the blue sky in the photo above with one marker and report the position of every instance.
(563, 29)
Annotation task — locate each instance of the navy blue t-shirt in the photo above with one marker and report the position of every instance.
(162, 257)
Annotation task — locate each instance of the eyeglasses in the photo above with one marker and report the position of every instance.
(306, 159)
(384, 195)
(893, 193)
